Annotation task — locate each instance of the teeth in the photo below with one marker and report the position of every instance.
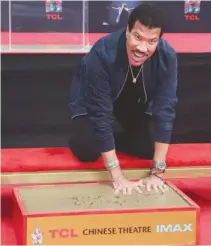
(138, 55)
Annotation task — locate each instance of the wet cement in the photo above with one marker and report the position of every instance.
(75, 197)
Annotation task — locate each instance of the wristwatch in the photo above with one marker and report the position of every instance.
(158, 167)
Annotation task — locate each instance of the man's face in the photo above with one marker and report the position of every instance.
(141, 43)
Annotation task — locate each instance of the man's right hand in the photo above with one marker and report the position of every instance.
(126, 187)
(120, 183)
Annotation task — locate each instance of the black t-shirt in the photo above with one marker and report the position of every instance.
(131, 101)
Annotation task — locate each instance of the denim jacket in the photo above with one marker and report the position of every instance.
(99, 80)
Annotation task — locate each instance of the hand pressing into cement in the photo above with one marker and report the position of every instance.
(126, 187)
(154, 183)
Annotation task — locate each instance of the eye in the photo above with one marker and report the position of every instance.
(137, 36)
(152, 41)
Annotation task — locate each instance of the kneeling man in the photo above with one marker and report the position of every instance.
(129, 77)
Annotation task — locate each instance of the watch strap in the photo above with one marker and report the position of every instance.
(155, 171)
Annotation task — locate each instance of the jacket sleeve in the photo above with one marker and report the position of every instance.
(98, 101)
(163, 111)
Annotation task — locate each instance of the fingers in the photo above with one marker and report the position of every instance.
(154, 185)
(117, 190)
(127, 190)
(115, 185)
(155, 188)
(141, 183)
(158, 187)
(138, 190)
(149, 185)
(124, 191)
(163, 188)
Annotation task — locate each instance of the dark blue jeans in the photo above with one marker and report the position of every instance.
(133, 137)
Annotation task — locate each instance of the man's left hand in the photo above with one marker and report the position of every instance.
(154, 183)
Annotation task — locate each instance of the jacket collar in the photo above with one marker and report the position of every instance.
(122, 58)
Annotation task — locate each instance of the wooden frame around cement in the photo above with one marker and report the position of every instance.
(97, 175)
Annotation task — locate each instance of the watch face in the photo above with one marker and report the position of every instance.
(160, 165)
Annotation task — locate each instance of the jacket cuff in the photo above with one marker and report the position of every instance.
(107, 144)
(161, 135)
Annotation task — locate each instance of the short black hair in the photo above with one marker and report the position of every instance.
(148, 15)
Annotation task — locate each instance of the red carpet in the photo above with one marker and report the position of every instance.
(197, 189)
(52, 159)
(182, 42)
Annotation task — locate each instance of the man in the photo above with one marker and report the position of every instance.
(123, 13)
(129, 76)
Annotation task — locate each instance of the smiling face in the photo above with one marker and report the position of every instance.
(141, 43)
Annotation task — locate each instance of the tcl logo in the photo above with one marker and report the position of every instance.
(63, 233)
(192, 17)
(53, 16)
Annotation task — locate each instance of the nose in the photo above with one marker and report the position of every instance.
(142, 47)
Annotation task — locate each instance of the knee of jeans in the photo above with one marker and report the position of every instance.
(148, 155)
(88, 158)
(84, 154)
